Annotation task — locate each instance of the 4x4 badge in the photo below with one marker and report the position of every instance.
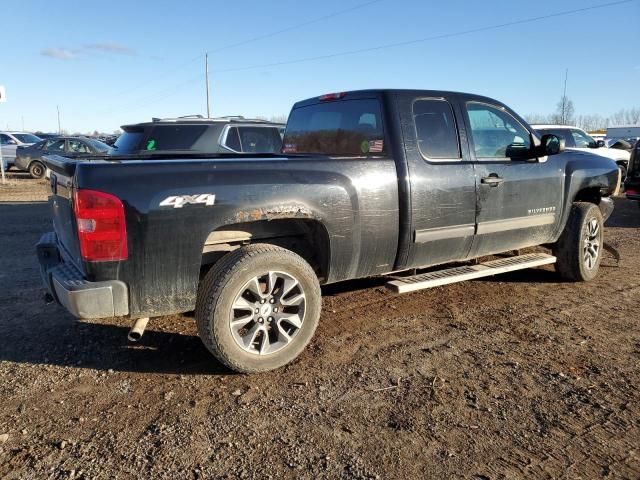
(179, 201)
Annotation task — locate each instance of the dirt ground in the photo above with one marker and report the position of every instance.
(517, 376)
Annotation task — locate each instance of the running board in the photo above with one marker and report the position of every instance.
(469, 272)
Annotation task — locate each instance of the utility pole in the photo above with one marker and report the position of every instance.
(59, 129)
(206, 76)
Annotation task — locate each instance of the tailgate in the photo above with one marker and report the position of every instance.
(60, 201)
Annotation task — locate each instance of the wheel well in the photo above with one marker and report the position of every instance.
(591, 195)
(307, 238)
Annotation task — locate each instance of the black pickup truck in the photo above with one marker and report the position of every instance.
(368, 183)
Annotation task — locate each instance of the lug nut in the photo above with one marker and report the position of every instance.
(262, 300)
(272, 300)
(257, 310)
(270, 319)
(275, 309)
(261, 320)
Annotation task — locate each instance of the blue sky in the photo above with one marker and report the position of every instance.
(117, 62)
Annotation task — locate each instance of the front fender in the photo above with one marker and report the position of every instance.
(588, 177)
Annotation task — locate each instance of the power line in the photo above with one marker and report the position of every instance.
(403, 43)
(253, 39)
(426, 39)
(299, 25)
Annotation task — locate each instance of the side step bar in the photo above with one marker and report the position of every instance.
(469, 272)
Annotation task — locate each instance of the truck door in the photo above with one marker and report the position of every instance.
(441, 177)
(519, 198)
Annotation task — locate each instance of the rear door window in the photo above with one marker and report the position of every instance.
(344, 127)
(436, 130)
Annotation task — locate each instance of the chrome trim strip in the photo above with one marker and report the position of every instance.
(443, 233)
(516, 223)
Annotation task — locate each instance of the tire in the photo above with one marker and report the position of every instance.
(258, 277)
(623, 173)
(37, 169)
(579, 248)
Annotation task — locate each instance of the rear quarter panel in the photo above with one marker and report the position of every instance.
(356, 201)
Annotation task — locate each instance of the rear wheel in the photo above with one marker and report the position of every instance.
(579, 249)
(258, 307)
(36, 169)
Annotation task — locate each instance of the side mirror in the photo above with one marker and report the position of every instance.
(600, 144)
(11, 141)
(551, 145)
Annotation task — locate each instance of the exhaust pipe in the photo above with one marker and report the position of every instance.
(136, 332)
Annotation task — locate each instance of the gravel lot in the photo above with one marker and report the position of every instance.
(518, 376)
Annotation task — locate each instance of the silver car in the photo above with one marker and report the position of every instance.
(9, 142)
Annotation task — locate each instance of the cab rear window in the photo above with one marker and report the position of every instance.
(346, 127)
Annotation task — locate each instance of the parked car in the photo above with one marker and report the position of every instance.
(621, 143)
(10, 141)
(577, 139)
(371, 182)
(632, 183)
(29, 158)
(197, 134)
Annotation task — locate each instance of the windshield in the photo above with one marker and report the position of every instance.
(26, 137)
(346, 127)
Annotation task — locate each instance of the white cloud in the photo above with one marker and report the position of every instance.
(59, 53)
(87, 51)
(109, 47)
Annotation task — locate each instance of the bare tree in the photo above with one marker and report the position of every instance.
(632, 116)
(564, 111)
(591, 122)
(537, 118)
(282, 118)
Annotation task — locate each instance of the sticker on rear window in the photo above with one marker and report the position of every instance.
(151, 145)
(376, 146)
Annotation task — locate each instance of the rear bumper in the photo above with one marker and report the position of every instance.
(83, 299)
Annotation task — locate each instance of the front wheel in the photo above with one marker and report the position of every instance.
(36, 169)
(623, 172)
(258, 307)
(579, 248)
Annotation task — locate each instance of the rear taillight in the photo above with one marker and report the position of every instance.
(631, 191)
(102, 230)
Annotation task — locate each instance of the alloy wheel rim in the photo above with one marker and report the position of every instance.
(591, 244)
(267, 313)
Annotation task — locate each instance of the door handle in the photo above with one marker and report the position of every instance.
(492, 180)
